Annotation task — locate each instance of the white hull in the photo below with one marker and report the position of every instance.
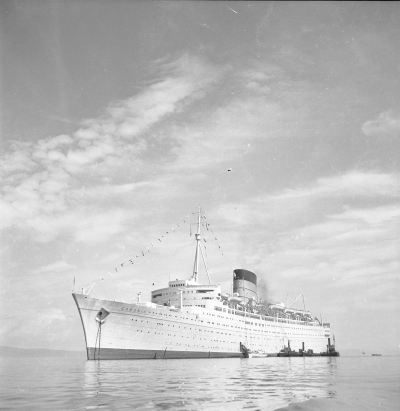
(148, 330)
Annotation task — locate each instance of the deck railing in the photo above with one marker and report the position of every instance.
(268, 318)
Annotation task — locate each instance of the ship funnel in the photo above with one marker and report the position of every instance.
(245, 284)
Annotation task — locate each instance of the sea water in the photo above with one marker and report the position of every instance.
(317, 383)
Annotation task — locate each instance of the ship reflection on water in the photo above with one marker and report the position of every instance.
(255, 383)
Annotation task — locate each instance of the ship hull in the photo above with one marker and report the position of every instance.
(118, 330)
(135, 354)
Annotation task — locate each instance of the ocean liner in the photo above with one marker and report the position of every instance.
(189, 319)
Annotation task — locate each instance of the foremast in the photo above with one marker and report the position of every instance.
(196, 256)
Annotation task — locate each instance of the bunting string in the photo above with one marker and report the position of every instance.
(132, 260)
(205, 225)
(147, 250)
(208, 227)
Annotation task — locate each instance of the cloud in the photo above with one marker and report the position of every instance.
(340, 230)
(17, 159)
(185, 80)
(386, 124)
(374, 215)
(224, 135)
(54, 142)
(342, 251)
(261, 78)
(51, 185)
(100, 227)
(59, 266)
(82, 225)
(353, 183)
(317, 199)
(143, 149)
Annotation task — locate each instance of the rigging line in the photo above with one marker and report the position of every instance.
(205, 265)
(173, 229)
(209, 228)
(205, 251)
(95, 344)
(99, 339)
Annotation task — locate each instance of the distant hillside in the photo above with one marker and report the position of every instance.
(38, 352)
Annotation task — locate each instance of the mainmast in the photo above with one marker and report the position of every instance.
(196, 257)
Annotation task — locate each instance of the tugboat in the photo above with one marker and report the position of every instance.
(288, 352)
(330, 349)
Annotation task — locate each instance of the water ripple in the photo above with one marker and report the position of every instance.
(214, 384)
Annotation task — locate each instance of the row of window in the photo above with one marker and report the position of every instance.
(290, 330)
(213, 330)
(218, 323)
(250, 339)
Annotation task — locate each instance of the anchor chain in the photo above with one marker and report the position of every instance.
(98, 339)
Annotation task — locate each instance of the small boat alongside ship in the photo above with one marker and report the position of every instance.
(302, 352)
(190, 319)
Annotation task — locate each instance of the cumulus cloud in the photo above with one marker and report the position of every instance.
(353, 183)
(224, 134)
(341, 249)
(138, 144)
(54, 142)
(185, 80)
(386, 124)
(16, 160)
(376, 215)
(261, 78)
(101, 226)
(49, 183)
(324, 194)
(341, 229)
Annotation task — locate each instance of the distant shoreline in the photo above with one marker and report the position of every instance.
(7, 351)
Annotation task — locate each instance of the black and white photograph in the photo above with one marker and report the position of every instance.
(199, 205)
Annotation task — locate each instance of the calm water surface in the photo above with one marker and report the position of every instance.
(344, 383)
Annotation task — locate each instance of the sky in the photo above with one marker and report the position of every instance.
(119, 119)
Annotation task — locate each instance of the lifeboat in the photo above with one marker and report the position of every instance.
(235, 299)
